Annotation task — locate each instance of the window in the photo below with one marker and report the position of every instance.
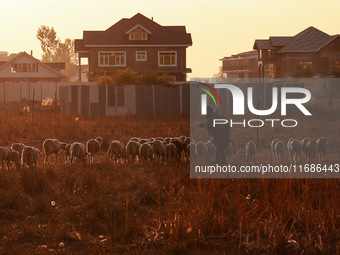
(141, 56)
(306, 65)
(260, 54)
(167, 58)
(144, 36)
(271, 53)
(132, 36)
(24, 67)
(112, 58)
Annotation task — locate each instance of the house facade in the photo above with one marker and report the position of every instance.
(24, 67)
(242, 65)
(310, 53)
(138, 43)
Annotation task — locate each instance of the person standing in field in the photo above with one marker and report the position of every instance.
(220, 133)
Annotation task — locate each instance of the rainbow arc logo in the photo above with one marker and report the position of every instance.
(209, 93)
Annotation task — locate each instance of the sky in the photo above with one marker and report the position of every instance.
(218, 28)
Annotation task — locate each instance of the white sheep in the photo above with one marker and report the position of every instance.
(210, 151)
(145, 153)
(234, 148)
(304, 147)
(77, 152)
(132, 150)
(18, 147)
(159, 150)
(250, 152)
(52, 146)
(322, 147)
(116, 152)
(272, 145)
(294, 147)
(9, 155)
(29, 157)
(93, 146)
(67, 152)
(201, 151)
(311, 148)
(171, 152)
(279, 151)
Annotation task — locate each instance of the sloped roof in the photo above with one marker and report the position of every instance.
(116, 34)
(278, 41)
(19, 55)
(263, 44)
(309, 40)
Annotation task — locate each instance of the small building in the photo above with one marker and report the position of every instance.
(24, 67)
(72, 73)
(310, 53)
(138, 43)
(242, 65)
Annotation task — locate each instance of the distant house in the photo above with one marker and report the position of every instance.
(242, 65)
(310, 51)
(72, 73)
(138, 43)
(24, 67)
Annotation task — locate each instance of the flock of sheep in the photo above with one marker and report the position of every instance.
(205, 152)
(160, 149)
(163, 150)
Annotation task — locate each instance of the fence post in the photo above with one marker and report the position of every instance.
(33, 106)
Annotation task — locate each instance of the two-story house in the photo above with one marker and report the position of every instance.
(241, 65)
(311, 50)
(138, 43)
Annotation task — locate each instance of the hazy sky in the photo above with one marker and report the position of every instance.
(218, 27)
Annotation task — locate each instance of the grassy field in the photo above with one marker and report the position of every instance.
(99, 209)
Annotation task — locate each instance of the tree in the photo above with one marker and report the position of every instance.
(54, 50)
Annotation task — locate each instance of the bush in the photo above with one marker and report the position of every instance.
(300, 72)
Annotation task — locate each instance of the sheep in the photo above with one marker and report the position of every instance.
(250, 152)
(159, 150)
(77, 152)
(201, 152)
(29, 157)
(52, 146)
(322, 147)
(9, 155)
(187, 150)
(93, 147)
(294, 147)
(145, 153)
(13, 156)
(304, 147)
(210, 150)
(167, 140)
(279, 151)
(116, 151)
(135, 139)
(272, 145)
(67, 152)
(99, 139)
(234, 148)
(171, 152)
(132, 150)
(18, 147)
(178, 142)
(311, 148)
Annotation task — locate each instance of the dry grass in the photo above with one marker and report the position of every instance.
(98, 209)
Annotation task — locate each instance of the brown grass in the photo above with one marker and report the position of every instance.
(98, 209)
